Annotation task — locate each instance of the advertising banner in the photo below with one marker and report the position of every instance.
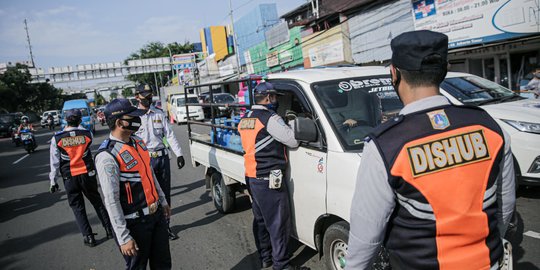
(327, 53)
(469, 22)
(272, 59)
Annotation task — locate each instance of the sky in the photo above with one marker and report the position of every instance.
(70, 32)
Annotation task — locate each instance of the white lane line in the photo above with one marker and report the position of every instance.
(532, 234)
(18, 160)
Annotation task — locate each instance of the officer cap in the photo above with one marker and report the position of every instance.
(410, 48)
(265, 88)
(143, 90)
(121, 106)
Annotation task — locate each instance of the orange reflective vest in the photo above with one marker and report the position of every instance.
(443, 164)
(262, 152)
(137, 186)
(75, 155)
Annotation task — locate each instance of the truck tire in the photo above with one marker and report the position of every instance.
(222, 195)
(335, 246)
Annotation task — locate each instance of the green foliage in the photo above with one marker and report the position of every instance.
(100, 100)
(113, 95)
(155, 50)
(18, 94)
(127, 92)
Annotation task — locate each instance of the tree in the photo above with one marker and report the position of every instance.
(127, 92)
(155, 50)
(113, 95)
(17, 93)
(100, 100)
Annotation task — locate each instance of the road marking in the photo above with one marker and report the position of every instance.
(532, 234)
(18, 160)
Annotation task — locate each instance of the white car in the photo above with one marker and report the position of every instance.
(178, 108)
(518, 116)
(56, 117)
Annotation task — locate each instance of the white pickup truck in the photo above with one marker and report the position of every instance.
(322, 172)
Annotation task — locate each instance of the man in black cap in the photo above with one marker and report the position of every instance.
(132, 195)
(264, 136)
(72, 159)
(436, 183)
(154, 128)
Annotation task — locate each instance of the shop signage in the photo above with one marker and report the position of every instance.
(477, 21)
(327, 53)
(272, 59)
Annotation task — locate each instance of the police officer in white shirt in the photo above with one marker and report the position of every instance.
(154, 128)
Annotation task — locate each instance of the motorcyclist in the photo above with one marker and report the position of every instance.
(25, 124)
(50, 121)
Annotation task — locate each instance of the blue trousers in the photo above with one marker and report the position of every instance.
(271, 222)
(162, 170)
(150, 234)
(76, 187)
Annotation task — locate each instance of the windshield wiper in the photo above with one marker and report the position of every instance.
(497, 99)
(480, 90)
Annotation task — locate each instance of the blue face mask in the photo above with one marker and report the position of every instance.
(272, 106)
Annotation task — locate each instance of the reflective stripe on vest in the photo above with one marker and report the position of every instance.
(137, 187)
(444, 175)
(262, 152)
(451, 170)
(75, 156)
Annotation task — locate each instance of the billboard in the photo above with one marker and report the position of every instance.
(477, 21)
(277, 35)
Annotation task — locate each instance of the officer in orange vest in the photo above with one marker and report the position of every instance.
(135, 202)
(264, 136)
(436, 183)
(71, 157)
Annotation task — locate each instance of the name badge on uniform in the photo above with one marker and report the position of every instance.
(438, 119)
(247, 123)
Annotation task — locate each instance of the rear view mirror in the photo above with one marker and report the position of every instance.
(305, 130)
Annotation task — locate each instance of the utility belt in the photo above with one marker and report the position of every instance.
(274, 179)
(150, 210)
(158, 153)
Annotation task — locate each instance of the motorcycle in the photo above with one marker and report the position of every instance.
(28, 140)
(50, 124)
(15, 136)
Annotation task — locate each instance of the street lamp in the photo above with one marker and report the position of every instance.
(171, 59)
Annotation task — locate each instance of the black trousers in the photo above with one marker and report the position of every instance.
(271, 222)
(162, 170)
(86, 185)
(150, 235)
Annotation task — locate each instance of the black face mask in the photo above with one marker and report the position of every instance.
(145, 102)
(395, 83)
(134, 124)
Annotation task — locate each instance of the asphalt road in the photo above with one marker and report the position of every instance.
(38, 231)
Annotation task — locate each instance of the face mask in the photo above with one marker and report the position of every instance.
(537, 75)
(146, 102)
(395, 83)
(134, 124)
(272, 106)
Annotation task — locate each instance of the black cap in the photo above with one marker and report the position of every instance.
(144, 90)
(73, 115)
(265, 88)
(121, 106)
(410, 48)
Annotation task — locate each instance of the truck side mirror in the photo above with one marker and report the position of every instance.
(305, 130)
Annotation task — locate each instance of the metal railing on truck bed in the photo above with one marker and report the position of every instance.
(219, 126)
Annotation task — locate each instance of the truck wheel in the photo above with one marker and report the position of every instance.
(335, 245)
(222, 195)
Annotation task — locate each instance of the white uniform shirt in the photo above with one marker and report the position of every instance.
(154, 127)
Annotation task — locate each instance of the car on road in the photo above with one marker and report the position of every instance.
(219, 98)
(7, 122)
(56, 117)
(178, 108)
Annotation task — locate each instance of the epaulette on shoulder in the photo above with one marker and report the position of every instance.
(379, 130)
(104, 145)
(136, 137)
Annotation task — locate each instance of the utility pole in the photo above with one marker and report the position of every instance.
(236, 52)
(29, 45)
